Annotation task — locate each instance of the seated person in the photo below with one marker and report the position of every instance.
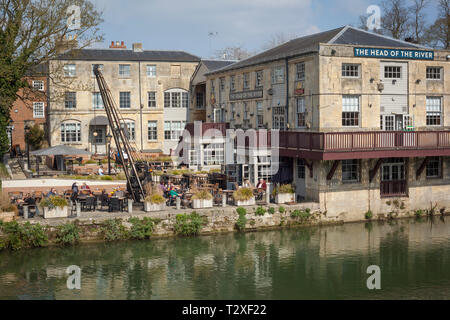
(247, 184)
(100, 171)
(85, 187)
(261, 184)
(52, 192)
(31, 201)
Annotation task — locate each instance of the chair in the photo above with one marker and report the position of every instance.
(89, 204)
(114, 205)
(104, 200)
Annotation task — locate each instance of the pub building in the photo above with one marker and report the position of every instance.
(363, 120)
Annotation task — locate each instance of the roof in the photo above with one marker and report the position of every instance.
(344, 35)
(217, 64)
(128, 55)
(60, 150)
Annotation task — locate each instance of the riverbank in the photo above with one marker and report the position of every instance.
(105, 226)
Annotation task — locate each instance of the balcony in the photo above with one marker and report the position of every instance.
(363, 145)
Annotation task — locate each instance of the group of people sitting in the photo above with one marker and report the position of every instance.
(261, 188)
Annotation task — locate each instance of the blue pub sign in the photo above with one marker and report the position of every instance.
(394, 53)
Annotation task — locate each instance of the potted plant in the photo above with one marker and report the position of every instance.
(284, 194)
(154, 202)
(55, 207)
(244, 197)
(202, 199)
(8, 211)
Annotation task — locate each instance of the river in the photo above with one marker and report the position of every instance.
(305, 263)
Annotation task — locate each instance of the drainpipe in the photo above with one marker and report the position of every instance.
(287, 92)
(140, 106)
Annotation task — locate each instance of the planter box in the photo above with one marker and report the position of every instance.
(7, 216)
(56, 213)
(151, 207)
(250, 202)
(284, 198)
(201, 203)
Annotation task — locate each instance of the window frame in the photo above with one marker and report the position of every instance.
(246, 81)
(131, 124)
(437, 165)
(41, 87)
(348, 116)
(76, 133)
(73, 95)
(433, 115)
(179, 96)
(121, 99)
(278, 75)
(68, 71)
(347, 71)
(126, 74)
(101, 66)
(42, 106)
(259, 80)
(97, 97)
(301, 113)
(151, 73)
(355, 168)
(152, 130)
(433, 73)
(390, 73)
(151, 103)
(300, 75)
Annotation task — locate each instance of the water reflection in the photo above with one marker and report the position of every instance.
(308, 263)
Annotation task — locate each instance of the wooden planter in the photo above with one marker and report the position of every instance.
(250, 202)
(7, 216)
(56, 212)
(202, 203)
(152, 207)
(284, 198)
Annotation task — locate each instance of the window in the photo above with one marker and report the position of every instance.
(245, 110)
(350, 170)
(350, 70)
(152, 99)
(176, 98)
(232, 83)
(392, 72)
(99, 138)
(434, 73)
(124, 70)
(434, 111)
(300, 168)
(71, 132)
(232, 111)
(222, 84)
(278, 75)
(279, 118)
(97, 101)
(301, 113)
(350, 111)
(300, 71)
(246, 81)
(70, 70)
(70, 100)
(151, 70)
(38, 85)
(38, 110)
(434, 167)
(259, 79)
(124, 100)
(200, 100)
(100, 67)
(213, 154)
(213, 89)
(173, 129)
(259, 114)
(129, 131)
(152, 130)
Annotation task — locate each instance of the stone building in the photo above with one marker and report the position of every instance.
(31, 106)
(150, 88)
(361, 116)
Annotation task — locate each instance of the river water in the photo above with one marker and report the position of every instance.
(304, 263)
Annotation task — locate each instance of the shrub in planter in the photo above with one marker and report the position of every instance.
(202, 199)
(188, 224)
(154, 202)
(284, 194)
(54, 207)
(244, 197)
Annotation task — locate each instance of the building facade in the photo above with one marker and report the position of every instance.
(150, 88)
(361, 116)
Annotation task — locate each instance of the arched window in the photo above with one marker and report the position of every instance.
(176, 98)
(130, 131)
(71, 131)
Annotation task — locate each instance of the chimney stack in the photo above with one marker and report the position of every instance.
(137, 47)
(117, 45)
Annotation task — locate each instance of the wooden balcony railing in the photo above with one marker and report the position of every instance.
(365, 141)
(393, 188)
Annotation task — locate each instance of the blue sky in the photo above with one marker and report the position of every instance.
(185, 24)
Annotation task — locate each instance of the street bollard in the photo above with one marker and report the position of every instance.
(268, 193)
(224, 201)
(78, 211)
(130, 205)
(178, 203)
(25, 212)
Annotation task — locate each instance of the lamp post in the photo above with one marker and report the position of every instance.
(27, 130)
(11, 128)
(108, 140)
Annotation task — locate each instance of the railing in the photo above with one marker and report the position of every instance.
(393, 188)
(364, 141)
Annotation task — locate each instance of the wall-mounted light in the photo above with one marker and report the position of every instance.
(448, 57)
(333, 52)
(418, 81)
(372, 80)
(414, 105)
(370, 105)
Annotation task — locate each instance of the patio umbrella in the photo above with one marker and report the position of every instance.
(60, 150)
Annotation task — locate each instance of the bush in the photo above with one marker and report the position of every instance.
(368, 215)
(285, 188)
(281, 209)
(53, 202)
(155, 199)
(17, 236)
(202, 195)
(243, 194)
(302, 214)
(68, 234)
(113, 230)
(260, 211)
(418, 213)
(109, 178)
(141, 229)
(242, 220)
(188, 224)
(271, 210)
(6, 205)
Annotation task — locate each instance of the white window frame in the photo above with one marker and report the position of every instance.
(38, 110)
(74, 94)
(131, 129)
(38, 85)
(124, 73)
(259, 76)
(175, 128)
(152, 129)
(259, 114)
(431, 71)
(129, 100)
(278, 75)
(151, 102)
(300, 71)
(232, 83)
(97, 101)
(349, 70)
(349, 106)
(300, 109)
(76, 133)
(434, 109)
(246, 81)
(176, 98)
(70, 70)
(151, 71)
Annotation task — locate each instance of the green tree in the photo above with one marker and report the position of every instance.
(32, 32)
(35, 137)
(438, 35)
